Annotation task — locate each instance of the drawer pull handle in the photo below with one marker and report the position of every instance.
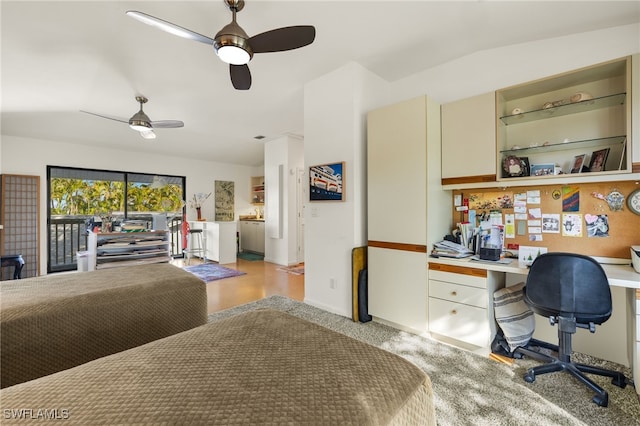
(453, 312)
(454, 293)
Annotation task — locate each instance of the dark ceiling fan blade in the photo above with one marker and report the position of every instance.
(166, 124)
(280, 39)
(240, 76)
(122, 120)
(169, 27)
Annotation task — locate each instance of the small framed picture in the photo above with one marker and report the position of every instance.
(578, 164)
(542, 169)
(513, 166)
(598, 160)
(326, 182)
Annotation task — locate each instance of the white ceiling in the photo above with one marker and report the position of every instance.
(62, 57)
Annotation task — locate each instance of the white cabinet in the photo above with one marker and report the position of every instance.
(219, 240)
(407, 209)
(544, 126)
(461, 303)
(113, 249)
(468, 140)
(252, 236)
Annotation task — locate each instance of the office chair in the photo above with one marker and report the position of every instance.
(571, 290)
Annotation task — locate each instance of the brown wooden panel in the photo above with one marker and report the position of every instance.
(468, 179)
(482, 273)
(624, 226)
(635, 167)
(398, 246)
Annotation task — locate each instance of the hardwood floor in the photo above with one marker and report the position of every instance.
(262, 279)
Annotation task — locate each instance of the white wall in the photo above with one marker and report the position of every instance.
(30, 157)
(335, 107)
(287, 151)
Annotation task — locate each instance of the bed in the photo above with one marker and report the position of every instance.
(54, 322)
(263, 366)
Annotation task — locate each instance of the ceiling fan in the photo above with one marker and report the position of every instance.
(234, 46)
(141, 122)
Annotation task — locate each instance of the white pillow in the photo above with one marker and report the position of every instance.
(513, 315)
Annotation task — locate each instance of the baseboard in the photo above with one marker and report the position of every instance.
(327, 308)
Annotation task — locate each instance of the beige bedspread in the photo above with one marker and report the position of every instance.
(260, 367)
(54, 322)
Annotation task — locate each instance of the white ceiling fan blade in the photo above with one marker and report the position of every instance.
(148, 134)
(169, 27)
(166, 124)
(109, 117)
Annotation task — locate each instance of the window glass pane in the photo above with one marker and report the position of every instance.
(153, 193)
(85, 192)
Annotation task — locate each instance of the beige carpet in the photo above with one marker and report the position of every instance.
(474, 390)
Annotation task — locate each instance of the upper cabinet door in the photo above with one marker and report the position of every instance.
(469, 140)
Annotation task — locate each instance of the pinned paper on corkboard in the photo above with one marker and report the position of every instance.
(570, 199)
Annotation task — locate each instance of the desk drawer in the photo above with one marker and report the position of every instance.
(458, 293)
(461, 322)
(465, 279)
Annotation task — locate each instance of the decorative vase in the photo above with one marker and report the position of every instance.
(199, 212)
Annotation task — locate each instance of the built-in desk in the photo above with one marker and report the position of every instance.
(625, 283)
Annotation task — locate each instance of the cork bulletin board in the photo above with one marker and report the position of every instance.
(575, 218)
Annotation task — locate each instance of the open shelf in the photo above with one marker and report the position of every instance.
(584, 144)
(565, 109)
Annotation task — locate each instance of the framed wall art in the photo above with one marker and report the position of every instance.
(326, 182)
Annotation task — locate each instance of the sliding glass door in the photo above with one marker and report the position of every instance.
(77, 198)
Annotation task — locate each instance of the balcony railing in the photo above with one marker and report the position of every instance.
(68, 236)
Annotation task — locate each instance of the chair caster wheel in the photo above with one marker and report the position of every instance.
(529, 377)
(621, 382)
(601, 400)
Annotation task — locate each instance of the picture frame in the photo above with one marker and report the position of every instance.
(513, 166)
(326, 182)
(542, 169)
(578, 164)
(598, 160)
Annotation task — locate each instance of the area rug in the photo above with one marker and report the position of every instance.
(252, 257)
(208, 272)
(470, 389)
(295, 270)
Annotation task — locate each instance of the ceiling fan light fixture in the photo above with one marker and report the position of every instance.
(148, 134)
(233, 55)
(140, 126)
(231, 44)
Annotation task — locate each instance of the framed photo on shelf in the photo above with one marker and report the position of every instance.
(326, 182)
(513, 166)
(542, 169)
(578, 164)
(598, 160)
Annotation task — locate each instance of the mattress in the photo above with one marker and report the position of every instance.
(263, 366)
(54, 322)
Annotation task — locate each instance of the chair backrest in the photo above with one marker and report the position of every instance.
(569, 284)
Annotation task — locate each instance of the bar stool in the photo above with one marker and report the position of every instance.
(195, 245)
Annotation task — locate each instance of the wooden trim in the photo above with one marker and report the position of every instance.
(474, 272)
(635, 168)
(398, 246)
(469, 179)
(638, 297)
